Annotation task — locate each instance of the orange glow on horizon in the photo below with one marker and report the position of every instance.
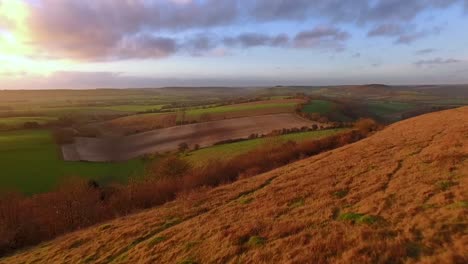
(16, 55)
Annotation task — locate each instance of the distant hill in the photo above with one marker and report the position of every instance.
(397, 196)
(444, 90)
(365, 90)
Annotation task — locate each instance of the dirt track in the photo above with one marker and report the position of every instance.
(168, 139)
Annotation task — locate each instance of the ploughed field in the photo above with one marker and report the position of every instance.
(168, 139)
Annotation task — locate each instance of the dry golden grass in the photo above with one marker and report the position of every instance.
(399, 196)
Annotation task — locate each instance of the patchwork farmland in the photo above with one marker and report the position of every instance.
(133, 124)
(168, 139)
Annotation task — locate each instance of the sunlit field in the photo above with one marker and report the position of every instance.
(31, 163)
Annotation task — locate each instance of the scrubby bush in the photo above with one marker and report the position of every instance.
(366, 125)
(169, 167)
(183, 147)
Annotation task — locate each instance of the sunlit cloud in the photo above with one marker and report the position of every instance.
(42, 37)
(17, 55)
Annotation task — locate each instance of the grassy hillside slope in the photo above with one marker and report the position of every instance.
(398, 196)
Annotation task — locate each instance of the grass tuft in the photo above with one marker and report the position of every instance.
(171, 222)
(256, 241)
(413, 250)
(188, 261)
(297, 203)
(156, 240)
(245, 200)
(77, 243)
(446, 184)
(341, 193)
(105, 227)
(357, 218)
(461, 204)
(191, 245)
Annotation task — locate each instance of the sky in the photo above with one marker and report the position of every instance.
(76, 44)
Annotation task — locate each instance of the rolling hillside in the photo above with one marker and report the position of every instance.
(399, 196)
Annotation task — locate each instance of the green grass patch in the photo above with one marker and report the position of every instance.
(256, 241)
(132, 108)
(191, 245)
(228, 151)
(245, 200)
(382, 108)
(318, 106)
(341, 193)
(297, 202)
(18, 122)
(195, 113)
(171, 222)
(413, 250)
(446, 184)
(460, 204)
(31, 163)
(156, 240)
(358, 218)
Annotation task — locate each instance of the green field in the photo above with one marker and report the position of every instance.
(227, 151)
(382, 108)
(132, 108)
(30, 163)
(18, 122)
(318, 106)
(194, 113)
(98, 109)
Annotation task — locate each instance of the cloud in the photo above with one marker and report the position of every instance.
(200, 44)
(322, 36)
(435, 61)
(402, 34)
(256, 39)
(385, 30)
(424, 51)
(410, 37)
(95, 30)
(360, 11)
(403, 10)
(145, 46)
(110, 29)
(272, 10)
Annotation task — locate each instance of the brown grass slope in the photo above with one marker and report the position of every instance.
(399, 196)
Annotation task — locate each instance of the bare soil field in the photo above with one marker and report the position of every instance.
(168, 139)
(399, 196)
